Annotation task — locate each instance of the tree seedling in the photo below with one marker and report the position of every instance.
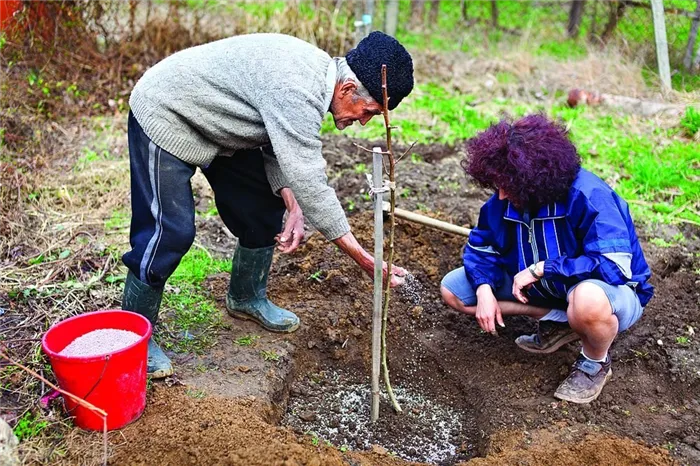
(314, 438)
(318, 276)
(683, 340)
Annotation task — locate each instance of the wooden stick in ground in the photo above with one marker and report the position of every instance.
(657, 9)
(692, 37)
(77, 399)
(392, 228)
(428, 221)
(377, 164)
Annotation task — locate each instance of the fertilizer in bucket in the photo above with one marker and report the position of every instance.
(103, 341)
(101, 357)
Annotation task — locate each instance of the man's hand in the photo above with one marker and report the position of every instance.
(524, 280)
(488, 312)
(349, 245)
(293, 231)
(398, 274)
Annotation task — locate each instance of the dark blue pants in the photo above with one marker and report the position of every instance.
(162, 220)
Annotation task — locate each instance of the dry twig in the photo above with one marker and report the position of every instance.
(77, 399)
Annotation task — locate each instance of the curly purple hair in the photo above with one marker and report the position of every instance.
(531, 159)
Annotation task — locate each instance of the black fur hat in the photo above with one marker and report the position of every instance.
(366, 62)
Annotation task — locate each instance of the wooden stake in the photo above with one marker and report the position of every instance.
(692, 37)
(657, 9)
(428, 221)
(378, 167)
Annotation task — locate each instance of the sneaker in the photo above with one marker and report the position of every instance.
(585, 381)
(550, 337)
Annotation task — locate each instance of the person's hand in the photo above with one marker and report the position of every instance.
(398, 275)
(293, 232)
(524, 280)
(488, 312)
(349, 245)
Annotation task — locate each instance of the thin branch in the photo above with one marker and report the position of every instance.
(367, 150)
(392, 228)
(407, 151)
(77, 399)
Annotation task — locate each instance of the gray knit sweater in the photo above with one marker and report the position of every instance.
(245, 92)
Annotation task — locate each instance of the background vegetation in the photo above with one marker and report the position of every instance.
(67, 69)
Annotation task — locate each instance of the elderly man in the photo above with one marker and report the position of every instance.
(247, 110)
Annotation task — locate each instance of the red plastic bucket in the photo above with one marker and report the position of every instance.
(115, 382)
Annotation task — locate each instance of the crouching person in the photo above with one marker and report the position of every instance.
(554, 243)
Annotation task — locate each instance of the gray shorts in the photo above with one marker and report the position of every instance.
(623, 300)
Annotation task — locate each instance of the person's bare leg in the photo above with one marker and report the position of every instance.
(508, 308)
(591, 316)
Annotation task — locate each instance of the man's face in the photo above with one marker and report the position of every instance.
(347, 107)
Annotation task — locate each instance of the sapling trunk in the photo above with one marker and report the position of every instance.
(392, 228)
(378, 162)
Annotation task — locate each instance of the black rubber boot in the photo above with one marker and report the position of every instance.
(247, 293)
(145, 300)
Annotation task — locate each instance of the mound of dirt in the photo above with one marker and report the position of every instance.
(547, 448)
(179, 429)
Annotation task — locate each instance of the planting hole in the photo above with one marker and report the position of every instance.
(335, 408)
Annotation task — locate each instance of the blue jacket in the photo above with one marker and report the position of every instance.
(589, 235)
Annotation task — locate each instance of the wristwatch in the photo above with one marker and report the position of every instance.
(533, 269)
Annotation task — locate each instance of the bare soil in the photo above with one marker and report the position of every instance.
(498, 399)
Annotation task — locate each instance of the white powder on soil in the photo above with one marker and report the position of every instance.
(102, 341)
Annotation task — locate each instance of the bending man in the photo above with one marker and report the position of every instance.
(247, 110)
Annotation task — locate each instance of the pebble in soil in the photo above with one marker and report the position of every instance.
(336, 409)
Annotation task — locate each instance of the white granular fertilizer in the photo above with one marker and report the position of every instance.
(102, 341)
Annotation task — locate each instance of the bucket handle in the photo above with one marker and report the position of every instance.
(97, 382)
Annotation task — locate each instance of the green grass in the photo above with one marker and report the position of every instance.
(691, 121)
(246, 340)
(119, 220)
(197, 265)
(657, 171)
(270, 355)
(29, 426)
(190, 313)
(562, 50)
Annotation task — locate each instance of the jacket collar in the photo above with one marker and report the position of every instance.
(549, 211)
